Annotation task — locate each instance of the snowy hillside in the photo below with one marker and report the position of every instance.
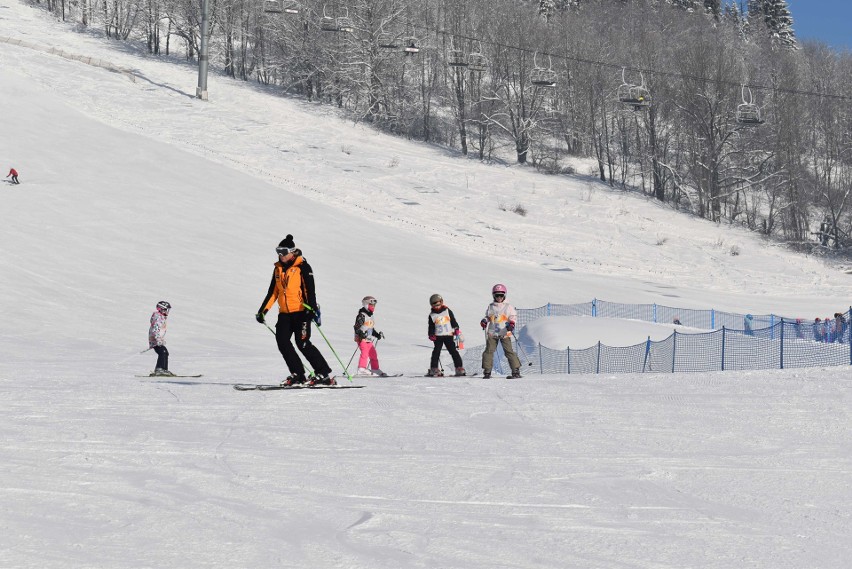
(133, 191)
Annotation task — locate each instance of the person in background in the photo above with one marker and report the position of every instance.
(157, 339)
(819, 330)
(442, 331)
(14, 174)
(748, 323)
(840, 327)
(366, 337)
(499, 324)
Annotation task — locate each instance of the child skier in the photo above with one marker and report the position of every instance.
(442, 329)
(366, 337)
(499, 323)
(157, 338)
(14, 174)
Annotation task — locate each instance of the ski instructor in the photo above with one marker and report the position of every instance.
(292, 287)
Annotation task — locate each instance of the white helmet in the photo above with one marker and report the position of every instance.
(368, 301)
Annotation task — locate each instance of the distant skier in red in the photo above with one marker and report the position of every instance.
(14, 174)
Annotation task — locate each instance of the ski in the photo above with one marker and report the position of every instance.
(167, 376)
(379, 376)
(268, 387)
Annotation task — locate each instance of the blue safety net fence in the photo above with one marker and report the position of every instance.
(732, 342)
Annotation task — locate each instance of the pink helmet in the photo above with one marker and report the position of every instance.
(499, 289)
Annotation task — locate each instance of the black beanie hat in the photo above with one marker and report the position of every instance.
(287, 242)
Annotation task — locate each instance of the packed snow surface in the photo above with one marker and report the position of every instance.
(132, 192)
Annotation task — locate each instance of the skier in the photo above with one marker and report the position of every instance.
(365, 337)
(157, 339)
(14, 174)
(442, 329)
(499, 323)
(292, 286)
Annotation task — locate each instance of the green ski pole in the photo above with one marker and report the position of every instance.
(330, 347)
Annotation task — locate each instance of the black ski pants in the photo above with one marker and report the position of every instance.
(298, 324)
(162, 357)
(450, 343)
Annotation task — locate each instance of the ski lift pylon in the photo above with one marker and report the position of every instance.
(748, 113)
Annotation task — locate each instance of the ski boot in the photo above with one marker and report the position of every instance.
(516, 374)
(460, 372)
(362, 371)
(434, 372)
(486, 374)
(293, 379)
(322, 379)
(160, 372)
(378, 373)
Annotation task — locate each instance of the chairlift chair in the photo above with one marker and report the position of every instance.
(291, 8)
(410, 46)
(273, 6)
(476, 62)
(541, 77)
(634, 95)
(455, 58)
(344, 24)
(748, 113)
(329, 24)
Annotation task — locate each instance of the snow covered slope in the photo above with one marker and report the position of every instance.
(134, 192)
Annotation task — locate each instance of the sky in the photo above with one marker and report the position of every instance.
(824, 20)
(133, 191)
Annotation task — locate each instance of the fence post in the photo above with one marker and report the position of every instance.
(594, 307)
(674, 349)
(782, 343)
(647, 351)
(568, 349)
(540, 361)
(712, 319)
(655, 313)
(772, 325)
(598, 365)
(548, 309)
(723, 348)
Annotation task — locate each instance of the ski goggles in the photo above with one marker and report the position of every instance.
(372, 302)
(499, 295)
(284, 251)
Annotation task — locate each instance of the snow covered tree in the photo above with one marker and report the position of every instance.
(777, 20)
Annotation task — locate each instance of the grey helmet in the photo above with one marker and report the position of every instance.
(368, 301)
(435, 298)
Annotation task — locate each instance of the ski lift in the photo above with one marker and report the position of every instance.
(273, 6)
(476, 62)
(291, 8)
(541, 77)
(748, 114)
(344, 23)
(338, 24)
(410, 45)
(637, 96)
(455, 58)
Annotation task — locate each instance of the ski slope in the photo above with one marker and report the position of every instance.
(133, 191)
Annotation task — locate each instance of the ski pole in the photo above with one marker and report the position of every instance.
(352, 358)
(523, 352)
(330, 347)
(148, 350)
(306, 364)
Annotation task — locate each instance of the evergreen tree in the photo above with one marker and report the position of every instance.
(777, 20)
(713, 7)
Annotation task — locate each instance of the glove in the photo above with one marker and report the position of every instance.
(456, 332)
(483, 323)
(510, 326)
(317, 315)
(432, 338)
(381, 335)
(260, 317)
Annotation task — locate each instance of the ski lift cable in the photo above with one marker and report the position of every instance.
(649, 71)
